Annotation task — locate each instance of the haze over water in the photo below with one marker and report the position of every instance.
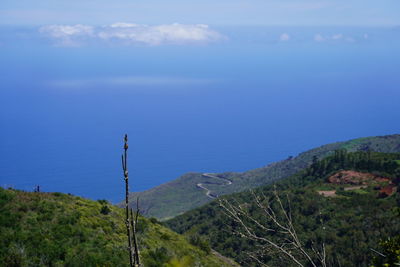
(242, 98)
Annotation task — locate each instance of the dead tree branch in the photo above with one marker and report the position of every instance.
(127, 217)
(277, 221)
(134, 223)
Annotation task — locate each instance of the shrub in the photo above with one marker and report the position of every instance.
(200, 242)
(103, 201)
(105, 210)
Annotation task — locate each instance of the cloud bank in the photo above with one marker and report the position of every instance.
(339, 37)
(327, 38)
(130, 34)
(66, 35)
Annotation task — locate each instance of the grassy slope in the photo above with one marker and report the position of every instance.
(180, 195)
(53, 229)
(353, 222)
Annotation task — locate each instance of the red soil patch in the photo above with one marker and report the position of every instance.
(361, 180)
(355, 178)
(387, 190)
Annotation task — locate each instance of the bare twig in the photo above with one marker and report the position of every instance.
(377, 252)
(277, 219)
(134, 223)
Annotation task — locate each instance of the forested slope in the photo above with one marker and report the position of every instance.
(361, 209)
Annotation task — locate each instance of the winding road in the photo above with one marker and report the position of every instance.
(208, 191)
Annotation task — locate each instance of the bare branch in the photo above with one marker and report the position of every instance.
(278, 219)
(127, 217)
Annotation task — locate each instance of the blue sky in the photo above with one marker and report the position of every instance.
(222, 12)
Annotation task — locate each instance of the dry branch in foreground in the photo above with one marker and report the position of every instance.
(273, 233)
(130, 221)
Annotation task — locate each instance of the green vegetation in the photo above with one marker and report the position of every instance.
(180, 195)
(350, 225)
(54, 229)
(358, 221)
(390, 253)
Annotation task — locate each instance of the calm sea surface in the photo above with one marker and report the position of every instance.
(231, 106)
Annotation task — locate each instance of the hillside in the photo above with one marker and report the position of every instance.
(183, 194)
(54, 229)
(348, 201)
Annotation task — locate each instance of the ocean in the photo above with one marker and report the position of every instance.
(231, 106)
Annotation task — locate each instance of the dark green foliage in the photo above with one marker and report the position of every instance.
(105, 210)
(385, 164)
(165, 236)
(201, 242)
(389, 253)
(349, 224)
(103, 201)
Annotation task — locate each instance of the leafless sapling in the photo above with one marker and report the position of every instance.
(134, 224)
(273, 233)
(127, 215)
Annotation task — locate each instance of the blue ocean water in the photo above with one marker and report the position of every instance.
(231, 106)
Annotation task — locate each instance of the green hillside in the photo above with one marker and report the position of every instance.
(54, 229)
(180, 195)
(350, 202)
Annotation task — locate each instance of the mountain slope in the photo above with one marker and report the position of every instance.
(348, 201)
(54, 229)
(180, 195)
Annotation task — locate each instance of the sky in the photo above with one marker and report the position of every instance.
(208, 86)
(222, 12)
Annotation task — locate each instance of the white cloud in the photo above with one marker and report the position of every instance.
(284, 37)
(123, 25)
(160, 34)
(339, 37)
(129, 33)
(67, 35)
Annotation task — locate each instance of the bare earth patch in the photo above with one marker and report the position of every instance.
(387, 190)
(360, 180)
(355, 178)
(354, 187)
(330, 193)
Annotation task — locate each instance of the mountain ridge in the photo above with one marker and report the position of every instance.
(180, 195)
